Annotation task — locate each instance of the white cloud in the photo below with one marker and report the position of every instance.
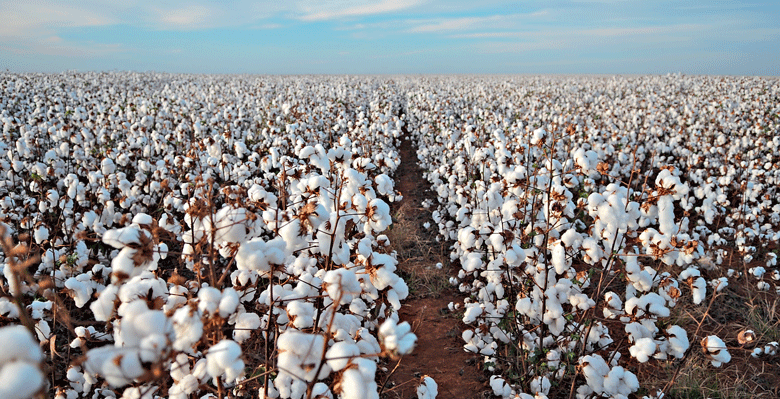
(438, 25)
(186, 17)
(25, 18)
(329, 10)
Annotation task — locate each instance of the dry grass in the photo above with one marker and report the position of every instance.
(418, 252)
(741, 306)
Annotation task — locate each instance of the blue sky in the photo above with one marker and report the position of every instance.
(392, 36)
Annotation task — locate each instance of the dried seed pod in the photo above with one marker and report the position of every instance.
(746, 337)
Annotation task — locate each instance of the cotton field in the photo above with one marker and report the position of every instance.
(183, 236)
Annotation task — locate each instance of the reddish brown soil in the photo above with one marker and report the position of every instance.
(439, 352)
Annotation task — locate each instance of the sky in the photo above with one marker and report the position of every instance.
(392, 36)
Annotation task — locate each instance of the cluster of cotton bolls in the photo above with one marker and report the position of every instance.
(572, 202)
(202, 235)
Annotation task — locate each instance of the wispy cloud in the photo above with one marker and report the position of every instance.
(329, 10)
(192, 17)
(26, 19)
(491, 22)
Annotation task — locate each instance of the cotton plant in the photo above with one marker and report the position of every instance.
(20, 363)
(627, 228)
(270, 200)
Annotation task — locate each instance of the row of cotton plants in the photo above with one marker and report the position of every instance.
(198, 236)
(585, 209)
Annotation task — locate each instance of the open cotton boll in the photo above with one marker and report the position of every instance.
(384, 184)
(245, 324)
(378, 213)
(428, 389)
(208, 300)
(620, 381)
(699, 289)
(473, 310)
(643, 349)
(613, 305)
(559, 260)
(341, 285)
(122, 237)
(228, 302)
(188, 328)
(358, 382)
(118, 366)
(595, 369)
(41, 234)
(81, 291)
(20, 379)
(301, 314)
(397, 338)
(514, 256)
(258, 255)
(299, 356)
(339, 355)
(499, 386)
(538, 136)
(18, 345)
(230, 224)
(224, 358)
(540, 385)
(678, 341)
(715, 349)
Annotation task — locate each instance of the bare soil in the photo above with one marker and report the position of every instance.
(439, 351)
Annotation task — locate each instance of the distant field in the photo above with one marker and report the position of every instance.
(201, 236)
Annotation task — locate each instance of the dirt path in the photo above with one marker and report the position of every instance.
(439, 352)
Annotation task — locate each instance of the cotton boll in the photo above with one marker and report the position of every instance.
(559, 260)
(299, 356)
(21, 379)
(341, 285)
(103, 307)
(473, 310)
(223, 358)
(18, 345)
(538, 137)
(301, 314)
(119, 366)
(339, 355)
(188, 328)
(258, 255)
(384, 184)
(81, 291)
(428, 389)
(771, 348)
(620, 382)
(719, 284)
(500, 387)
(120, 238)
(229, 224)
(37, 309)
(41, 234)
(397, 338)
(595, 369)
(358, 382)
(228, 302)
(540, 384)
(42, 330)
(613, 305)
(208, 300)
(643, 349)
(245, 324)
(699, 287)
(716, 350)
(678, 341)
